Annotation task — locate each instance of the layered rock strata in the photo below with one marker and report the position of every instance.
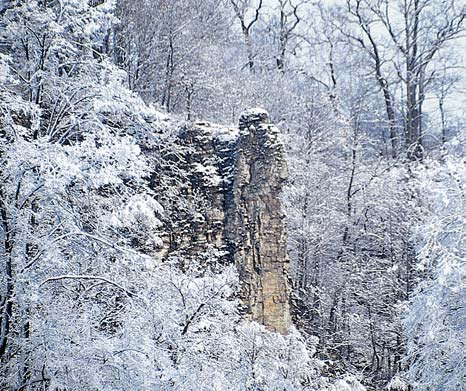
(255, 225)
(234, 184)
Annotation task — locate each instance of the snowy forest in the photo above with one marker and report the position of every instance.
(232, 195)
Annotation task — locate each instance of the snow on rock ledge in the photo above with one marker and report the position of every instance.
(240, 175)
(253, 117)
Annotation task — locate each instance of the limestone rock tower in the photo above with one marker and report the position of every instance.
(255, 227)
(235, 182)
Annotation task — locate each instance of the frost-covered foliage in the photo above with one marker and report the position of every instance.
(92, 181)
(435, 322)
(85, 196)
(350, 218)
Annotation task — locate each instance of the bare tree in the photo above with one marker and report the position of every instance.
(288, 21)
(241, 7)
(368, 42)
(417, 30)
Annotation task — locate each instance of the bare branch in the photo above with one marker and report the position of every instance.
(88, 277)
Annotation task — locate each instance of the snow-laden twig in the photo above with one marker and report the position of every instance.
(88, 277)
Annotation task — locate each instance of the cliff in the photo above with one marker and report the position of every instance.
(235, 182)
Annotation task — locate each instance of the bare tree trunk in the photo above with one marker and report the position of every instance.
(391, 118)
(246, 28)
(169, 68)
(6, 302)
(442, 118)
(383, 83)
(249, 48)
(412, 126)
(286, 30)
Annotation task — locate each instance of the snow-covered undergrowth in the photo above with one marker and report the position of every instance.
(435, 322)
(85, 302)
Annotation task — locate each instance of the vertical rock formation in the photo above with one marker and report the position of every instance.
(255, 227)
(232, 207)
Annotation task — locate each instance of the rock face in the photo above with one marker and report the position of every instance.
(239, 177)
(255, 226)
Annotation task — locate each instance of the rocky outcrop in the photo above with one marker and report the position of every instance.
(234, 185)
(255, 226)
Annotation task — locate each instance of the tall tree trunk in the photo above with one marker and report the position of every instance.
(6, 300)
(413, 115)
(391, 118)
(249, 48)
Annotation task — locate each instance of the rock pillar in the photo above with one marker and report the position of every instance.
(255, 228)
